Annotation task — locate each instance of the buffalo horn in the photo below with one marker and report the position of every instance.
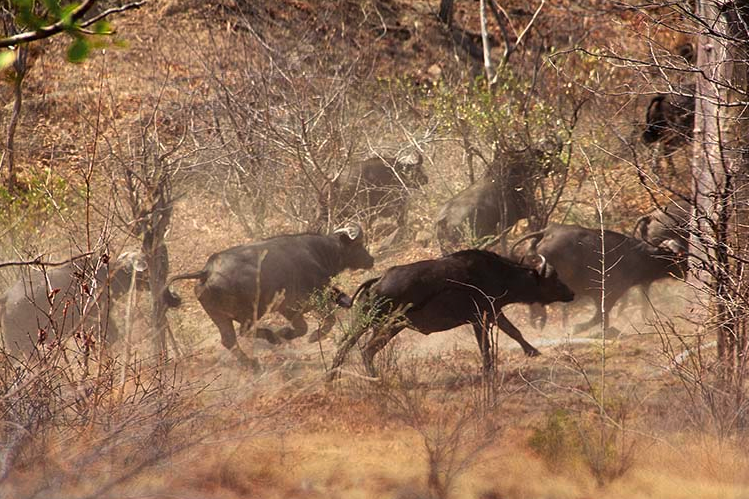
(673, 246)
(134, 259)
(352, 230)
(541, 267)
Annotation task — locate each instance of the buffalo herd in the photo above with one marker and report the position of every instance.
(560, 263)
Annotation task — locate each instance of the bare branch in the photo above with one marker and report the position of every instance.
(38, 261)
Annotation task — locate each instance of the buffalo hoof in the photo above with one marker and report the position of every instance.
(246, 362)
(268, 336)
(288, 333)
(316, 336)
(531, 352)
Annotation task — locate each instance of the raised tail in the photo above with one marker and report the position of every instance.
(172, 299)
(345, 301)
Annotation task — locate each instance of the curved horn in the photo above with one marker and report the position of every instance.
(353, 230)
(673, 246)
(541, 267)
(641, 227)
(134, 259)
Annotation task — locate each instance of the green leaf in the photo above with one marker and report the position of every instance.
(78, 50)
(27, 18)
(66, 16)
(53, 6)
(7, 58)
(102, 28)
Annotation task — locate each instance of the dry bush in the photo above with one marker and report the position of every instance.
(704, 399)
(455, 427)
(65, 413)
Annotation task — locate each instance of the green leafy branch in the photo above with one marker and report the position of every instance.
(58, 18)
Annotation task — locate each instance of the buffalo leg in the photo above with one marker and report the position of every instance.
(596, 319)
(378, 341)
(514, 333)
(323, 329)
(229, 340)
(298, 327)
(246, 361)
(538, 315)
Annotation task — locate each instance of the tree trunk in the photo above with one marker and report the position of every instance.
(488, 66)
(20, 68)
(721, 179)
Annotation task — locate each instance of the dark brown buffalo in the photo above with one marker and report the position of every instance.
(241, 283)
(46, 307)
(576, 254)
(481, 210)
(467, 287)
(497, 201)
(373, 188)
(669, 222)
(670, 122)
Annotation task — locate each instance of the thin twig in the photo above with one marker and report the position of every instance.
(38, 261)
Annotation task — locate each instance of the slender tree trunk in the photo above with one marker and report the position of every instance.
(20, 69)
(488, 66)
(721, 179)
(736, 141)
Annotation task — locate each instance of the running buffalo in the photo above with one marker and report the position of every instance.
(48, 307)
(497, 201)
(467, 287)
(576, 254)
(668, 222)
(241, 283)
(482, 209)
(376, 187)
(670, 122)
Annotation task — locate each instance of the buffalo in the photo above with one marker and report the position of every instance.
(576, 254)
(666, 223)
(495, 202)
(242, 283)
(478, 212)
(373, 188)
(47, 307)
(669, 222)
(467, 287)
(670, 122)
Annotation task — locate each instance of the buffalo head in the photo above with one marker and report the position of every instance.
(355, 255)
(414, 173)
(551, 286)
(129, 265)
